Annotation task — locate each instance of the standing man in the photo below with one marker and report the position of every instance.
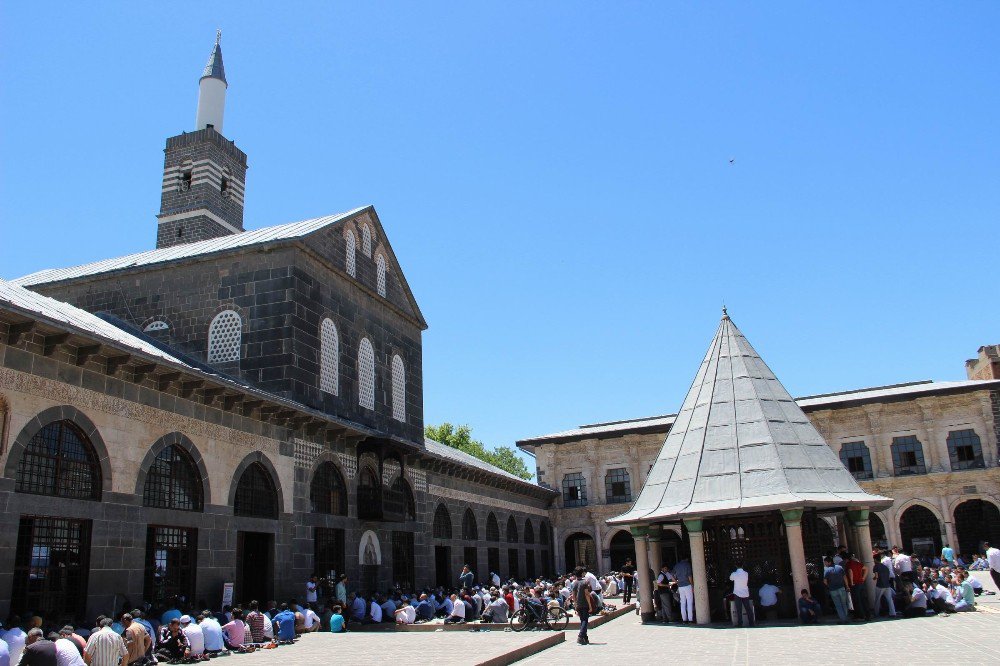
(584, 602)
(312, 590)
(466, 578)
(628, 571)
(903, 565)
(883, 587)
(857, 573)
(741, 590)
(684, 575)
(665, 583)
(993, 559)
(834, 578)
(948, 555)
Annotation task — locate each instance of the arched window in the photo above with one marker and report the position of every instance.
(256, 496)
(350, 246)
(857, 459)
(224, 337)
(60, 460)
(543, 533)
(369, 494)
(965, 450)
(617, 486)
(492, 528)
(157, 325)
(529, 532)
(380, 275)
(907, 456)
(574, 488)
(329, 357)
(398, 389)
(511, 530)
(328, 492)
(442, 523)
(402, 498)
(366, 374)
(470, 529)
(173, 481)
(366, 240)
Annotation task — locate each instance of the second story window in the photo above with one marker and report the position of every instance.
(350, 247)
(617, 486)
(366, 240)
(857, 459)
(366, 374)
(965, 450)
(907, 456)
(224, 337)
(380, 275)
(574, 490)
(329, 357)
(398, 389)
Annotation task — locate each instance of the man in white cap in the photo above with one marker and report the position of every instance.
(195, 636)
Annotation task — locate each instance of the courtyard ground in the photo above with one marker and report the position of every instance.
(962, 638)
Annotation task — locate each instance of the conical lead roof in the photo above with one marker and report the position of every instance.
(215, 69)
(741, 444)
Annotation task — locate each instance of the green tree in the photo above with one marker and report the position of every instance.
(460, 437)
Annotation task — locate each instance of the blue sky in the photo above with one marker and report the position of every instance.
(555, 177)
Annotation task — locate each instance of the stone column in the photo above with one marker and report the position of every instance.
(862, 534)
(653, 538)
(558, 556)
(645, 585)
(949, 525)
(842, 532)
(702, 610)
(603, 562)
(796, 549)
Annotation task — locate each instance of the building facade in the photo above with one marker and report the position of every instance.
(233, 406)
(931, 446)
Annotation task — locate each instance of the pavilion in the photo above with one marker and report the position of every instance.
(744, 476)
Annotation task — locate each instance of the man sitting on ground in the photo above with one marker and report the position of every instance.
(337, 624)
(425, 609)
(235, 632)
(457, 611)
(809, 609)
(284, 625)
(173, 644)
(212, 631)
(195, 637)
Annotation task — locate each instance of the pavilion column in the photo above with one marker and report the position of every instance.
(796, 549)
(842, 531)
(696, 537)
(862, 534)
(645, 584)
(653, 538)
(949, 526)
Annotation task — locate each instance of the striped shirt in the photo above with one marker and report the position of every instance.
(106, 648)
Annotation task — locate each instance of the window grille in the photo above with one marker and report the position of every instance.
(154, 326)
(366, 374)
(59, 460)
(492, 529)
(224, 337)
(171, 563)
(403, 561)
(965, 450)
(380, 275)
(173, 481)
(857, 459)
(617, 486)
(574, 490)
(369, 494)
(328, 552)
(511, 530)
(544, 533)
(398, 389)
(529, 532)
(366, 240)
(442, 523)
(329, 357)
(350, 249)
(908, 456)
(328, 492)
(51, 564)
(470, 529)
(255, 494)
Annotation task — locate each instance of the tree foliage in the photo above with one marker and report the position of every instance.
(460, 437)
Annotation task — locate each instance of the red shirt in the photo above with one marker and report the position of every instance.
(855, 568)
(509, 598)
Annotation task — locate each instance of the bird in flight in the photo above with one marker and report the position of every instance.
(732, 161)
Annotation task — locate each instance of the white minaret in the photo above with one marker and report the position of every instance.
(212, 90)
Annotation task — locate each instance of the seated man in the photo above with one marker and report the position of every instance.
(374, 612)
(234, 632)
(172, 644)
(768, 594)
(917, 606)
(212, 631)
(809, 609)
(284, 625)
(424, 610)
(405, 614)
(966, 596)
(195, 637)
(310, 620)
(337, 624)
(496, 611)
(358, 608)
(457, 611)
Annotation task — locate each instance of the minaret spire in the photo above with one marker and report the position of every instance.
(212, 90)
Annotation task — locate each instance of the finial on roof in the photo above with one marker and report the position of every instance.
(725, 315)
(218, 37)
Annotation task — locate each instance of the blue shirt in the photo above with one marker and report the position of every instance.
(4, 654)
(286, 625)
(358, 609)
(948, 554)
(682, 570)
(336, 623)
(172, 614)
(834, 576)
(448, 606)
(425, 610)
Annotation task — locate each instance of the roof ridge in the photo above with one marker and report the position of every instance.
(635, 420)
(867, 388)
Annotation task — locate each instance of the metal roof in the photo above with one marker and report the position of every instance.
(461, 457)
(176, 252)
(740, 444)
(215, 69)
(611, 428)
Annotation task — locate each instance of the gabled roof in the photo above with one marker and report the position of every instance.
(740, 444)
(440, 450)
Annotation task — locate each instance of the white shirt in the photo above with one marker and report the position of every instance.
(902, 563)
(15, 639)
(768, 595)
(741, 587)
(310, 591)
(67, 653)
(887, 561)
(268, 627)
(310, 617)
(411, 614)
(992, 557)
(459, 609)
(196, 637)
(496, 580)
(595, 584)
(376, 612)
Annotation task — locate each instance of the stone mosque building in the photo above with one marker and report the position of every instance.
(233, 406)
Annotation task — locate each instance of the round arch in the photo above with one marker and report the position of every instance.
(977, 519)
(179, 440)
(580, 550)
(621, 546)
(920, 502)
(442, 528)
(920, 530)
(962, 499)
(251, 458)
(492, 528)
(877, 531)
(335, 502)
(512, 536)
(60, 413)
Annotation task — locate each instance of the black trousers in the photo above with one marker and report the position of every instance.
(626, 590)
(996, 577)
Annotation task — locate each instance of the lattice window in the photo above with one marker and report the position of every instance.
(171, 563)
(350, 249)
(398, 389)
(59, 460)
(255, 494)
(857, 459)
(470, 529)
(529, 532)
(51, 564)
(173, 481)
(907, 456)
(369, 494)
(328, 492)
(511, 530)
(158, 325)
(965, 450)
(492, 528)
(617, 486)
(380, 275)
(366, 240)
(403, 561)
(224, 337)
(366, 374)
(442, 523)
(329, 357)
(400, 505)
(574, 488)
